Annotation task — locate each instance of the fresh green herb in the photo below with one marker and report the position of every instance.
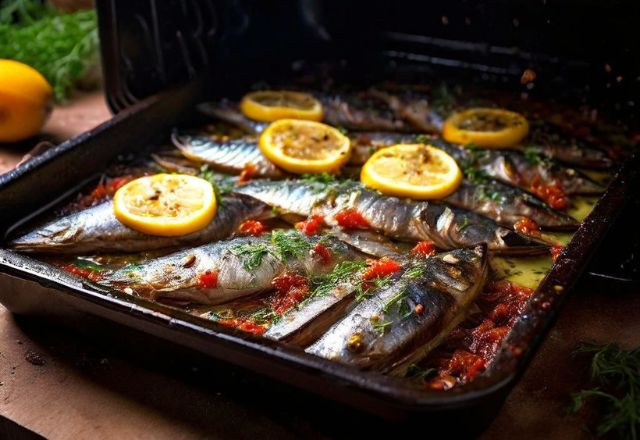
(342, 130)
(264, 316)
(616, 374)
(88, 264)
(417, 372)
(532, 155)
(60, 46)
(325, 178)
(443, 99)
(364, 290)
(423, 139)
(289, 244)
(344, 271)
(484, 192)
(275, 210)
(221, 186)
(464, 223)
(395, 300)
(380, 326)
(475, 175)
(414, 272)
(251, 253)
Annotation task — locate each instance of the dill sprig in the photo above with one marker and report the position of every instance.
(251, 253)
(616, 374)
(60, 46)
(282, 245)
(343, 272)
(289, 244)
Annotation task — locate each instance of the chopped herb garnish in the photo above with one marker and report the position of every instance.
(289, 244)
(380, 326)
(325, 178)
(344, 271)
(475, 175)
(251, 253)
(615, 373)
(423, 139)
(414, 273)
(464, 223)
(417, 372)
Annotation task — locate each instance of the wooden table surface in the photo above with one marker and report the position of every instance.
(60, 384)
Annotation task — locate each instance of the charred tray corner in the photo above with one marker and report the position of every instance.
(153, 97)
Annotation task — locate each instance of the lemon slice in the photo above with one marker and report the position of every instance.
(417, 171)
(486, 127)
(305, 146)
(271, 105)
(166, 204)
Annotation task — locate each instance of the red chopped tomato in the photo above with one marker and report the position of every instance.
(82, 272)
(252, 227)
(527, 226)
(380, 268)
(425, 248)
(107, 187)
(555, 250)
(553, 193)
(351, 219)
(321, 251)
(248, 173)
(486, 344)
(465, 365)
(311, 226)
(291, 289)
(208, 280)
(243, 324)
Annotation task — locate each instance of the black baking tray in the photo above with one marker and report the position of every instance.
(163, 57)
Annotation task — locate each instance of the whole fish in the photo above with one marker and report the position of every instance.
(228, 155)
(350, 110)
(229, 111)
(504, 204)
(401, 323)
(508, 166)
(230, 269)
(550, 142)
(97, 230)
(397, 218)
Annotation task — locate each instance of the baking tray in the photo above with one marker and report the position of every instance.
(31, 287)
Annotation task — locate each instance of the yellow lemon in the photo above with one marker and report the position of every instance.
(416, 171)
(25, 101)
(166, 204)
(486, 127)
(302, 147)
(271, 105)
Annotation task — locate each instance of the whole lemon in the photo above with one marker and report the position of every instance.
(25, 101)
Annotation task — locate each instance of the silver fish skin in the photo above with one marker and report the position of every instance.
(231, 155)
(414, 108)
(507, 205)
(229, 111)
(513, 168)
(97, 230)
(360, 111)
(310, 319)
(448, 227)
(403, 322)
(177, 276)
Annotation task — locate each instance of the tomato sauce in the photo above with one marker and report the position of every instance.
(106, 188)
(552, 193)
(323, 253)
(555, 251)
(208, 280)
(351, 219)
(248, 173)
(82, 272)
(244, 325)
(424, 248)
(252, 227)
(470, 347)
(311, 226)
(380, 268)
(291, 290)
(527, 226)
